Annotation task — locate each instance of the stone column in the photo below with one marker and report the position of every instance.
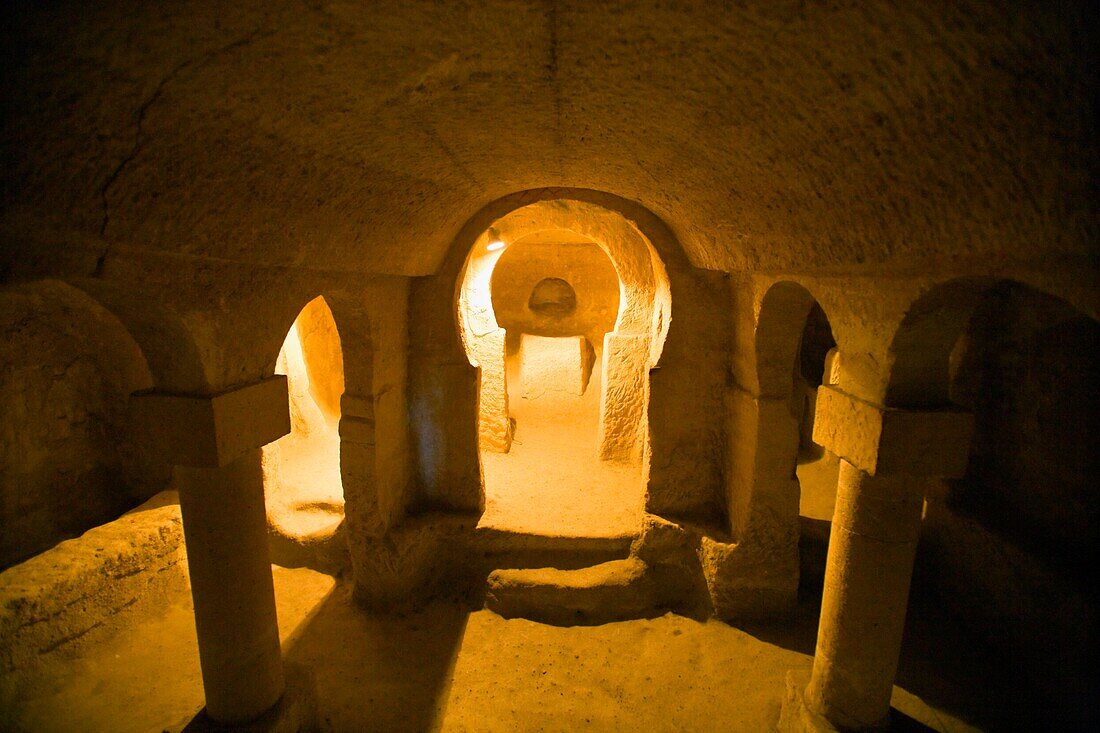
(873, 541)
(225, 528)
(214, 442)
(887, 456)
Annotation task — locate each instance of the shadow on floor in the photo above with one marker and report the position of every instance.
(952, 668)
(398, 666)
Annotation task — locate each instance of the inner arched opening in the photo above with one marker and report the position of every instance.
(818, 468)
(563, 325)
(556, 295)
(302, 485)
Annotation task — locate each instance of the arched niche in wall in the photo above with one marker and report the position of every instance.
(630, 350)
(1005, 547)
(302, 475)
(68, 457)
(795, 354)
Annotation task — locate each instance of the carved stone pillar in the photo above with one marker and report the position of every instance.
(887, 456)
(214, 442)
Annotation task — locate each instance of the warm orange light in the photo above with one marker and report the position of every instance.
(496, 246)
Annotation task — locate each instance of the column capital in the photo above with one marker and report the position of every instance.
(211, 430)
(883, 441)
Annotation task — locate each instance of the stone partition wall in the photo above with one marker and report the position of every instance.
(686, 392)
(375, 452)
(442, 401)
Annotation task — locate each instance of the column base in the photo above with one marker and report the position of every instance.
(796, 716)
(296, 711)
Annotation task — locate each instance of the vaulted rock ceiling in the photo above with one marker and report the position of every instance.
(777, 137)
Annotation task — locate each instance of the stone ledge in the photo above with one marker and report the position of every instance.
(49, 603)
(881, 440)
(211, 431)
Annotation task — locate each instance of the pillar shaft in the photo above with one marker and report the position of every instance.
(875, 530)
(225, 529)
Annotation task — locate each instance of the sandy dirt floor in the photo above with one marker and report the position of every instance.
(445, 668)
(305, 495)
(146, 677)
(551, 482)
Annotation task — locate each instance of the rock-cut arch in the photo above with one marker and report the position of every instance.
(302, 470)
(630, 350)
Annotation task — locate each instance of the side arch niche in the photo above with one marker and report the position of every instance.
(1016, 529)
(302, 481)
(793, 477)
(70, 458)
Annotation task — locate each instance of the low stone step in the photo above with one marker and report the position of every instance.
(617, 590)
(308, 535)
(499, 549)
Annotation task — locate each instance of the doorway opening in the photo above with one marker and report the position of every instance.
(302, 484)
(818, 469)
(564, 327)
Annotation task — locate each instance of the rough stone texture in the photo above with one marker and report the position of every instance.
(753, 579)
(49, 603)
(644, 307)
(867, 577)
(296, 711)
(625, 399)
(303, 490)
(494, 423)
(796, 716)
(411, 562)
(554, 364)
(686, 391)
(68, 459)
(884, 441)
(661, 541)
(953, 132)
(204, 171)
(323, 355)
(442, 388)
(442, 401)
(612, 591)
(1008, 595)
(225, 529)
(1027, 368)
(375, 457)
(1007, 547)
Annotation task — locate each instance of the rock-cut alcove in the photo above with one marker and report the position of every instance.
(563, 323)
(302, 483)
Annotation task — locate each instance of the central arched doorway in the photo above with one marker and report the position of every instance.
(563, 307)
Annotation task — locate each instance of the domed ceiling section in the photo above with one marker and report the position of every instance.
(361, 136)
